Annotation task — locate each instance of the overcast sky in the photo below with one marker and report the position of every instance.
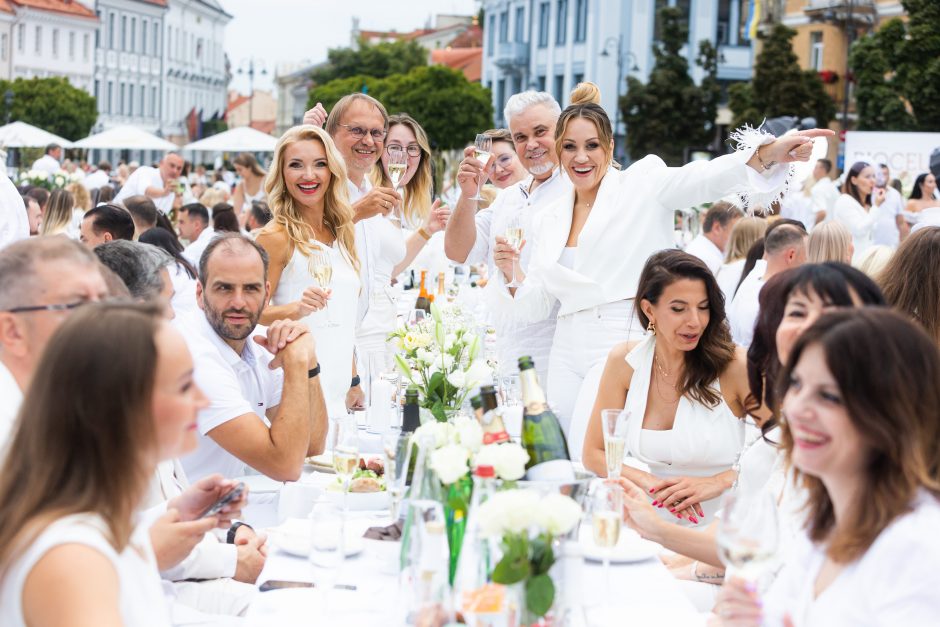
(279, 32)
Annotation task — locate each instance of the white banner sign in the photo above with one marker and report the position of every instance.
(901, 152)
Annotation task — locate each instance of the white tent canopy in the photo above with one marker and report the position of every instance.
(23, 135)
(125, 137)
(241, 139)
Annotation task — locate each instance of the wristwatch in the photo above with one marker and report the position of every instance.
(355, 381)
(230, 536)
(313, 372)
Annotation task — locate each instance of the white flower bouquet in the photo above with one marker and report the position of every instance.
(40, 178)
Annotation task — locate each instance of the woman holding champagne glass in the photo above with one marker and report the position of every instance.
(592, 243)
(314, 270)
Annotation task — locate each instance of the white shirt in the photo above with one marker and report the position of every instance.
(742, 313)
(12, 398)
(885, 230)
(824, 194)
(140, 597)
(184, 288)
(858, 221)
(705, 249)
(194, 251)
(235, 385)
(96, 180)
(137, 184)
(14, 223)
(47, 163)
(895, 582)
(728, 277)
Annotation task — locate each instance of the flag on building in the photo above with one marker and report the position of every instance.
(754, 12)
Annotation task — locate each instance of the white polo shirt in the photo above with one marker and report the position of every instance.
(137, 184)
(235, 385)
(193, 252)
(12, 399)
(744, 308)
(705, 249)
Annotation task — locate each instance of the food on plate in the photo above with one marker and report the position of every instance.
(369, 477)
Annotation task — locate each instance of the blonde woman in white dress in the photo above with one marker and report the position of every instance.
(309, 201)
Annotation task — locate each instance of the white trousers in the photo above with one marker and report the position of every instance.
(583, 339)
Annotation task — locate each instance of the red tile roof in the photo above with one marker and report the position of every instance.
(70, 7)
(6, 7)
(470, 38)
(467, 60)
(265, 126)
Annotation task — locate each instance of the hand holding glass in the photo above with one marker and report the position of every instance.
(481, 152)
(397, 169)
(614, 425)
(748, 534)
(514, 235)
(320, 267)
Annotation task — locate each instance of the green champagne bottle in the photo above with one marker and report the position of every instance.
(542, 436)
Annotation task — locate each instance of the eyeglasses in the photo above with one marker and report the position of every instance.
(503, 161)
(378, 134)
(413, 150)
(60, 307)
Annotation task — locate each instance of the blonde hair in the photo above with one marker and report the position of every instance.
(248, 161)
(744, 234)
(419, 189)
(80, 195)
(500, 135)
(585, 93)
(212, 196)
(58, 213)
(829, 241)
(875, 259)
(337, 211)
(584, 104)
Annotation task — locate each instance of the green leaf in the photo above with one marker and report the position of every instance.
(539, 594)
(542, 555)
(403, 366)
(512, 568)
(438, 410)
(436, 313)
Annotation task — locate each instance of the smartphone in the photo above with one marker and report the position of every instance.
(275, 584)
(228, 497)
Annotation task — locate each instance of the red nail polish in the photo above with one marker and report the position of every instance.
(655, 503)
(693, 519)
(672, 510)
(652, 490)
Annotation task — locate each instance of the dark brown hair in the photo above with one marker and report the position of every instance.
(84, 433)
(894, 409)
(851, 188)
(911, 282)
(715, 350)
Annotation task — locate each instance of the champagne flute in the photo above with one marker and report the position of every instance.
(606, 516)
(346, 452)
(321, 268)
(416, 317)
(748, 534)
(514, 234)
(614, 424)
(327, 547)
(397, 448)
(397, 168)
(481, 152)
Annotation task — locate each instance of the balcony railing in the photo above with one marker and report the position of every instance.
(512, 55)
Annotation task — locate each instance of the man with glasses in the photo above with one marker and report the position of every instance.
(42, 281)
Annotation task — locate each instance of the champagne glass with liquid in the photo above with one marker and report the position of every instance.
(397, 168)
(748, 534)
(346, 452)
(482, 148)
(614, 425)
(514, 235)
(321, 268)
(606, 516)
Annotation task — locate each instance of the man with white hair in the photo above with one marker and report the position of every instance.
(159, 184)
(471, 236)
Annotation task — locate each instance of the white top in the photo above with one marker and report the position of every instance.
(334, 344)
(729, 274)
(567, 256)
(235, 385)
(858, 221)
(194, 251)
(96, 180)
(656, 444)
(705, 249)
(535, 338)
(885, 231)
(14, 223)
(798, 206)
(632, 218)
(895, 582)
(138, 182)
(704, 441)
(184, 286)
(742, 313)
(47, 163)
(140, 597)
(12, 399)
(386, 248)
(824, 194)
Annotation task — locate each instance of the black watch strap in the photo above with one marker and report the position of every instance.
(355, 381)
(313, 372)
(230, 537)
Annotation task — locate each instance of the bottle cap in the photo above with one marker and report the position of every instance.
(485, 472)
(487, 389)
(526, 363)
(476, 402)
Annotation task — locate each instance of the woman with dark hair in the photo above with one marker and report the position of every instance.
(862, 443)
(921, 198)
(685, 387)
(250, 187)
(859, 207)
(224, 219)
(103, 195)
(911, 280)
(182, 273)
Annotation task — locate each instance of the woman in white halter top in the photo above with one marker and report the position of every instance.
(685, 387)
(252, 178)
(309, 201)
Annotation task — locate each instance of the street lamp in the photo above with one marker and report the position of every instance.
(248, 68)
(609, 44)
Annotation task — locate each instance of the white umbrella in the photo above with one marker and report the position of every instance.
(125, 137)
(241, 139)
(23, 135)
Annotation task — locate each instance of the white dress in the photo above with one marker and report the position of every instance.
(386, 249)
(334, 343)
(859, 222)
(140, 596)
(703, 441)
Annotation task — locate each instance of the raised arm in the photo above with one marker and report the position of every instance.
(461, 231)
(435, 222)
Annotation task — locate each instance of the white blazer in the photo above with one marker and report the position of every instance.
(632, 218)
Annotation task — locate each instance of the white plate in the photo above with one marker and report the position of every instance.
(359, 501)
(630, 548)
(299, 545)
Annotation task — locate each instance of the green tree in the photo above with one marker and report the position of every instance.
(779, 86)
(670, 112)
(897, 72)
(378, 60)
(329, 93)
(52, 104)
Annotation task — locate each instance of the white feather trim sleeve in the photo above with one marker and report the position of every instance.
(763, 188)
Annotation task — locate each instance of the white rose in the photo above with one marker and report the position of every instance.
(424, 356)
(508, 460)
(457, 379)
(449, 340)
(478, 373)
(557, 514)
(440, 433)
(450, 463)
(509, 511)
(469, 433)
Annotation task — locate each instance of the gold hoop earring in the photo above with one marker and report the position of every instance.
(651, 328)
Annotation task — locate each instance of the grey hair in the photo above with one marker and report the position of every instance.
(20, 261)
(137, 264)
(518, 103)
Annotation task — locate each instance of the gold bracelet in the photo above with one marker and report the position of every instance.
(424, 234)
(766, 166)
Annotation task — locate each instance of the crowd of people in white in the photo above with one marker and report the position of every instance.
(796, 354)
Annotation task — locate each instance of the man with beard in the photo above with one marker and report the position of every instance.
(472, 236)
(266, 406)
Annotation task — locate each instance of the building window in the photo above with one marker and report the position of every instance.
(500, 94)
(156, 38)
(724, 22)
(71, 45)
(491, 34)
(561, 26)
(123, 101)
(123, 34)
(559, 87)
(3, 46)
(578, 78)
(111, 22)
(504, 27)
(543, 24)
(98, 95)
(110, 100)
(21, 38)
(520, 24)
(55, 42)
(154, 111)
(816, 50)
(580, 20)
(133, 47)
(143, 100)
(143, 36)
(98, 30)
(130, 100)
(86, 45)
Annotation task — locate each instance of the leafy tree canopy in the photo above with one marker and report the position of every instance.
(378, 60)
(52, 104)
